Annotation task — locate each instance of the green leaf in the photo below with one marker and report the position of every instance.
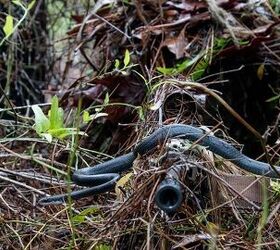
(200, 68)
(86, 117)
(53, 126)
(117, 64)
(126, 59)
(107, 99)
(166, 71)
(180, 67)
(221, 43)
(17, 2)
(63, 132)
(140, 112)
(102, 247)
(9, 25)
(184, 65)
(275, 187)
(273, 98)
(56, 115)
(47, 136)
(31, 4)
(80, 218)
(42, 123)
(244, 42)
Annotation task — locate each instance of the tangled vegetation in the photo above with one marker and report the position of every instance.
(82, 82)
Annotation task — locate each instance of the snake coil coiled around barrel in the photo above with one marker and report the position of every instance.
(103, 177)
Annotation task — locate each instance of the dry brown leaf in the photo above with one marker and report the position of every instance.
(177, 45)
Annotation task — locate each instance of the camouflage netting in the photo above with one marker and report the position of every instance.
(129, 64)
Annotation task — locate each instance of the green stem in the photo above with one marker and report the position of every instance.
(75, 145)
(18, 23)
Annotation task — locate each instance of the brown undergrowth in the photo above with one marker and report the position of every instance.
(136, 66)
(128, 218)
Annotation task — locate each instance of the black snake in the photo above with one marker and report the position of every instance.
(103, 177)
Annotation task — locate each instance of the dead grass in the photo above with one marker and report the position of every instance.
(166, 36)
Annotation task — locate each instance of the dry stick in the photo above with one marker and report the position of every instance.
(88, 59)
(11, 105)
(223, 17)
(148, 240)
(131, 199)
(150, 198)
(41, 161)
(112, 25)
(224, 72)
(165, 25)
(205, 135)
(230, 187)
(16, 233)
(4, 202)
(42, 228)
(195, 222)
(21, 184)
(33, 176)
(271, 51)
(231, 111)
(274, 212)
(80, 46)
(235, 197)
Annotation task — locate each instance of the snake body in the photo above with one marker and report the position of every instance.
(102, 177)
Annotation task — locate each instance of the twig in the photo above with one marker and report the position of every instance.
(41, 229)
(112, 25)
(229, 186)
(21, 184)
(231, 111)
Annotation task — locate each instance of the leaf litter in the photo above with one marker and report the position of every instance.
(119, 44)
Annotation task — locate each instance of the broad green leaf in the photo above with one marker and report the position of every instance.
(52, 126)
(9, 25)
(42, 123)
(117, 64)
(31, 4)
(126, 59)
(56, 115)
(62, 132)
